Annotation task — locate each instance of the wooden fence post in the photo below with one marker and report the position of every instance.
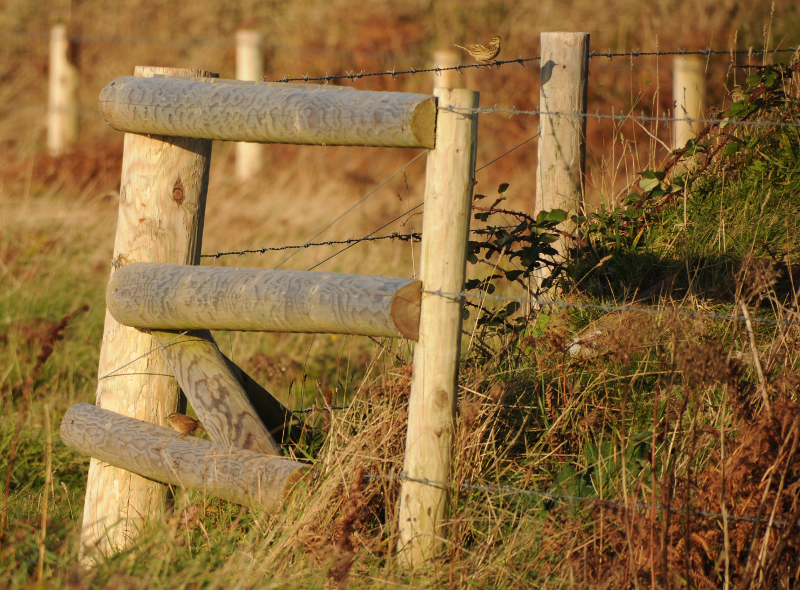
(62, 109)
(688, 96)
(250, 67)
(431, 412)
(446, 58)
(161, 208)
(562, 143)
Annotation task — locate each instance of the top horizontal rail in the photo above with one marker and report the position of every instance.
(263, 112)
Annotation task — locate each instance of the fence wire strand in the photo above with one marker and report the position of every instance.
(639, 118)
(402, 477)
(542, 302)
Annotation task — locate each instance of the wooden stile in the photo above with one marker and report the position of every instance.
(163, 455)
(431, 411)
(177, 297)
(263, 112)
(161, 207)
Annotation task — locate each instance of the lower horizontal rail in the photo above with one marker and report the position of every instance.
(157, 453)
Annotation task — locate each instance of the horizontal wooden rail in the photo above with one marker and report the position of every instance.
(262, 112)
(238, 475)
(183, 297)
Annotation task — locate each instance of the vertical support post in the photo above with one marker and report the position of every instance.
(249, 66)
(446, 58)
(688, 96)
(62, 108)
(161, 207)
(562, 143)
(431, 411)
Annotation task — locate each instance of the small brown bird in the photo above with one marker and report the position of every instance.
(184, 424)
(483, 53)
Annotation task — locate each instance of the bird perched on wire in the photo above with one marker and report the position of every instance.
(184, 424)
(483, 53)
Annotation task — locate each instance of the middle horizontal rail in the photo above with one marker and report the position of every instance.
(182, 297)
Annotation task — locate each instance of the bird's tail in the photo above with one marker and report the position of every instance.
(460, 46)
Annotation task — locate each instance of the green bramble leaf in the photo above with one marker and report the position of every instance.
(648, 184)
(556, 216)
(482, 216)
(731, 148)
(479, 197)
(754, 80)
(503, 188)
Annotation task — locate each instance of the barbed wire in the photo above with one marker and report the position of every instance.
(394, 73)
(520, 60)
(364, 198)
(640, 118)
(416, 236)
(542, 302)
(571, 498)
(413, 236)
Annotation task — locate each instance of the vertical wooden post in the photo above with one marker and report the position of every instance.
(562, 143)
(161, 206)
(688, 96)
(62, 109)
(431, 411)
(446, 58)
(249, 66)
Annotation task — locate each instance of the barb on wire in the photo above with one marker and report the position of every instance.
(569, 498)
(641, 118)
(610, 308)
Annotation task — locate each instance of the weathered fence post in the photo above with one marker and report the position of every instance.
(161, 207)
(562, 143)
(250, 67)
(688, 96)
(431, 413)
(62, 108)
(446, 58)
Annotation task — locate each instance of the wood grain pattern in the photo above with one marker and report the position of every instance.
(262, 112)
(175, 297)
(215, 393)
(688, 96)
(280, 422)
(163, 455)
(161, 207)
(431, 408)
(562, 142)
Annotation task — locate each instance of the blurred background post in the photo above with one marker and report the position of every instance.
(250, 67)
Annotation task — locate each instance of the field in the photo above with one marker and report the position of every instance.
(653, 446)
